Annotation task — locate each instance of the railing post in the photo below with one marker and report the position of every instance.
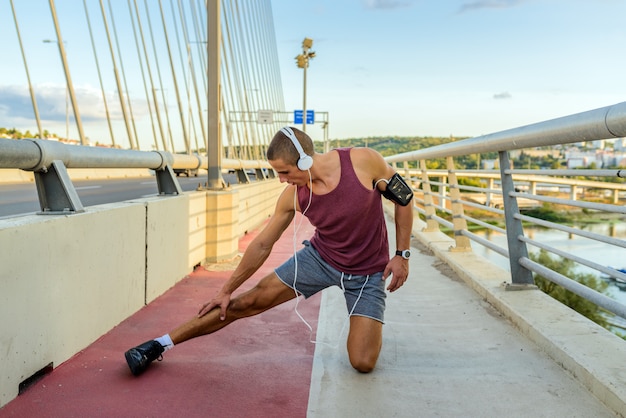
(407, 172)
(488, 194)
(442, 192)
(462, 243)
(242, 176)
(520, 276)
(167, 182)
(431, 224)
(57, 195)
(415, 179)
(260, 174)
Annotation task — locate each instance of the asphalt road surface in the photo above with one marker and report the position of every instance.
(21, 198)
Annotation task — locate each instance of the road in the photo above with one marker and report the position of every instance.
(21, 198)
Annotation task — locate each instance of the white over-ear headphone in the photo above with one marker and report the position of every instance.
(306, 161)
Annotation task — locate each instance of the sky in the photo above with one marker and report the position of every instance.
(451, 67)
(382, 67)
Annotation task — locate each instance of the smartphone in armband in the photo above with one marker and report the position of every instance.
(398, 191)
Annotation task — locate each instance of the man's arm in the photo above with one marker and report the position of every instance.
(398, 267)
(256, 253)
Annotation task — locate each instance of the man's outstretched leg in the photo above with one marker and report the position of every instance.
(269, 292)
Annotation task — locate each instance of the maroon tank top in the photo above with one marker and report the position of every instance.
(350, 230)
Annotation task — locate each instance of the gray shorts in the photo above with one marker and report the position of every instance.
(365, 295)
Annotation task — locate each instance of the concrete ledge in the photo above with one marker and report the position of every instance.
(65, 281)
(583, 348)
(170, 224)
(16, 176)
(258, 203)
(68, 279)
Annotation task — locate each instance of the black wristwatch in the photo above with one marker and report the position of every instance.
(404, 254)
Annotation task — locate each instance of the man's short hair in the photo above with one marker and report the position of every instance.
(281, 147)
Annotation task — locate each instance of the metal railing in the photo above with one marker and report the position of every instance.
(436, 199)
(49, 160)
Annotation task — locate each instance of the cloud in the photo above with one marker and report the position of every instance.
(502, 96)
(386, 4)
(15, 102)
(488, 4)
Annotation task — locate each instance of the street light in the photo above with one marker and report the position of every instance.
(67, 96)
(302, 61)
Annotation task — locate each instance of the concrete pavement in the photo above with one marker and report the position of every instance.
(446, 353)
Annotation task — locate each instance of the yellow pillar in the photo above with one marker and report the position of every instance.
(460, 224)
(429, 207)
(222, 225)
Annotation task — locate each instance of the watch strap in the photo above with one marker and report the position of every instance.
(403, 253)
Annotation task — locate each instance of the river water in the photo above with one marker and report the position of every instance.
(598, 252)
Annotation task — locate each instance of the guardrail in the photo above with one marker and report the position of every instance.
(598, 124)
(49, 161)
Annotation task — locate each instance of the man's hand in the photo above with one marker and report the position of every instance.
(399, 268)
(222, 299)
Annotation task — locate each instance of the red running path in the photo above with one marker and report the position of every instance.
(255, 367)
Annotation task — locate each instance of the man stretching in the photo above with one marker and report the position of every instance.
(340, 193)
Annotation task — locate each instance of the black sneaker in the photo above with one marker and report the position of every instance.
(140, 357)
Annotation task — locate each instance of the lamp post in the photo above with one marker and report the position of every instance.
(302, 61)
(67, 97)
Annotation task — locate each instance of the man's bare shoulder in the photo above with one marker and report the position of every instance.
(367, 155)
(368, 159)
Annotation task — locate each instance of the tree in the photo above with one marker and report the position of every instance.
(577, 303)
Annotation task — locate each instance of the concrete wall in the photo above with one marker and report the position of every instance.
(169, 224)
(65, 280)
(256, 202)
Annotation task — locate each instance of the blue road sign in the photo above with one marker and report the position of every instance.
(310, 117)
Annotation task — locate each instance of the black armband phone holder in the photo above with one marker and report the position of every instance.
(398, 191)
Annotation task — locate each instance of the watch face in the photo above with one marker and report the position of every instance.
(406, 254)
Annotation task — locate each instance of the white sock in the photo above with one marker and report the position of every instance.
(165, 341)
